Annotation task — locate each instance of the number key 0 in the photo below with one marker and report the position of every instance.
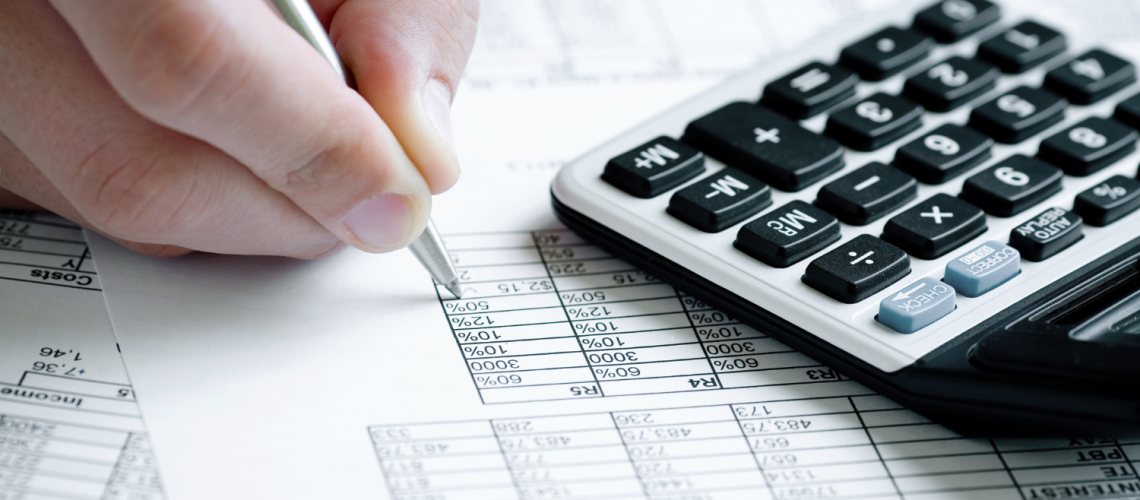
(1012, 186)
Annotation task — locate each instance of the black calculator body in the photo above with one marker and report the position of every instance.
(939, 201)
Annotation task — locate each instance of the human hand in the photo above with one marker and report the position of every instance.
(179, 125)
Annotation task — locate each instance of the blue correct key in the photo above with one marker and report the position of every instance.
(917, 305)
(983, 268)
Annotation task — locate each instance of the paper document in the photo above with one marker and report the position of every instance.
(563, 372)
(69, 424)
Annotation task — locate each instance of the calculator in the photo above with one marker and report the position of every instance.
(939, 201)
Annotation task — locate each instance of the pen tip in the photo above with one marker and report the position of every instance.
(455, 289)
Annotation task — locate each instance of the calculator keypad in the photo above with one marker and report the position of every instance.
(765, 144)
(1023, 47)
(874, 122)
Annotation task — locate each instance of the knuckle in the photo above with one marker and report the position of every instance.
(338, 156)
(140, 198)
(177, 56)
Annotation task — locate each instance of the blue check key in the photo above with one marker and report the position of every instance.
(983, 268)
(917, 305)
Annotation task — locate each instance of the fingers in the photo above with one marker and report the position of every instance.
(18, 173)
(231, 73)
(407, 57)
(124, 175)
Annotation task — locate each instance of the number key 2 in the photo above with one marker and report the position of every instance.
(951, 83)
(1012, 186)
(788, 234)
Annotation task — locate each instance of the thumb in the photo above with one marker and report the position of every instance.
(407, 57)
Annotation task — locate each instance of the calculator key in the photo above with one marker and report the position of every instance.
(1092, 76)
(867, 194)
(1012, 186)
(1019, 114)
(654, 167)
(1046, 234)
(810, 90)
(1108, 201)
(935, 227)
(951, 83)
(874, 122)
(952, 20)
(857, 269)
(885, 53)
(1022, 47)
(917, 305)
(720, 200)
(983, 269)
(788, 234)
(765, 144)
(1128, 112)
(943, 154)
(1088, 146)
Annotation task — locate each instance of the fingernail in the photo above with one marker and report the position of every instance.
(382, 222)
(437, 103)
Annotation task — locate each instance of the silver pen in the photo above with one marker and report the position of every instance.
(428, 248)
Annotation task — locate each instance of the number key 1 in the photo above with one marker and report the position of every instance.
(1012, 186)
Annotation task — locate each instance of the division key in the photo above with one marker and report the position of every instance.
(857, 269)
